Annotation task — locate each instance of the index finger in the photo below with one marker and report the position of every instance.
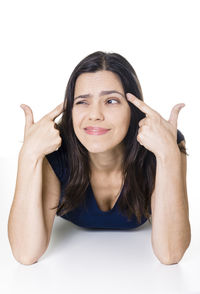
(56, 111)
(141, 105)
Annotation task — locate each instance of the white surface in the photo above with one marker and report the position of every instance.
(80, 260)
(41, 43)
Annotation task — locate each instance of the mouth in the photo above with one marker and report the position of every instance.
(96, 131)
(91, 128)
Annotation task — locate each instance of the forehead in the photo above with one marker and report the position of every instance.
(97, 81)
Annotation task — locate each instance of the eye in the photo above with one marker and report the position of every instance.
(113, 100)
(80, 102)
(83, 102)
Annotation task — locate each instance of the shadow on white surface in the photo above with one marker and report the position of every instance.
(80, 260)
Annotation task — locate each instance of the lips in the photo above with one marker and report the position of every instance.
(96, 130)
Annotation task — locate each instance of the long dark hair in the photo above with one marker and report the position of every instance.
(139, 166)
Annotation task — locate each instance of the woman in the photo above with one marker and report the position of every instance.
(112, 152)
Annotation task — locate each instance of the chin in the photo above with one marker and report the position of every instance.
(95, 144)
(97, 147)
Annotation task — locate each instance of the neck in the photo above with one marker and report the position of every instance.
(107, 162)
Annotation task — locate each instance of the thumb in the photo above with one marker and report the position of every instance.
(174, 113)
(29, 120)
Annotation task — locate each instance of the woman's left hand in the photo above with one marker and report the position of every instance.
(155, 133)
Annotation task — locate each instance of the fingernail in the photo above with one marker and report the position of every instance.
(23, 106)
(129, 96)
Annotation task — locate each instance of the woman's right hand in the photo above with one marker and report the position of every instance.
(42, 137)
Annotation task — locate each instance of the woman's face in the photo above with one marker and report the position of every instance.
(109, 111)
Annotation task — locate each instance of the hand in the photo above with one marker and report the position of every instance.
(155, 133)
(41, 138)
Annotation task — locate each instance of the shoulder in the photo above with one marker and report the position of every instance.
(180, 136)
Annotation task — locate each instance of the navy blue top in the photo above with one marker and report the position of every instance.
(92, 216)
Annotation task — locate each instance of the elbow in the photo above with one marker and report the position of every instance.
(28, 262)
(170, 260)
(25, 261)
(167, 261)
(173, 257)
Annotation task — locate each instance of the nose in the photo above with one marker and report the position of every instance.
(95, 112)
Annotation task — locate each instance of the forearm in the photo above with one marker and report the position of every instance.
(170, 218)
(26, 228)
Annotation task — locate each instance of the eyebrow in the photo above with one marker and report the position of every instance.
(101, 94)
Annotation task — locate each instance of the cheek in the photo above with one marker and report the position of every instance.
(76, 117)
(125, 119)
(128, 117)
(121, 126)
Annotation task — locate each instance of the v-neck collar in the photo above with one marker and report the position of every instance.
(96, 205)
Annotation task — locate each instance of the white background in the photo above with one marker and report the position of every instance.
(41, 43)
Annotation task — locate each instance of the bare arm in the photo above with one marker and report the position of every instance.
(171, 232)
(26, 227)
(37, 187)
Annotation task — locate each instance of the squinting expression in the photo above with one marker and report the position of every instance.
(100, 107)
